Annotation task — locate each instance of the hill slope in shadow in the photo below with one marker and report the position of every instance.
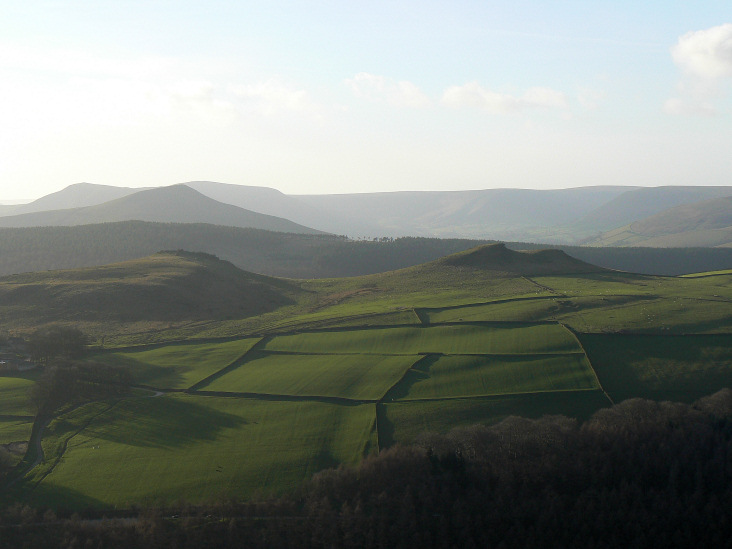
(168, 287)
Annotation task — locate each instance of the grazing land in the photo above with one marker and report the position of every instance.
(251, 386)
(160, 450)
(661, 367)
(15, 393)
(352, 376)
(178, 366)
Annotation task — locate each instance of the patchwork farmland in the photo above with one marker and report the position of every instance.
(258, 415)
(254, 406)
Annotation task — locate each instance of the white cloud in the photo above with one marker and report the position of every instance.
(705, 53)
(705, 58)
(473, 95)
(374, 87)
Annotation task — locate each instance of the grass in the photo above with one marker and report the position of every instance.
(15, 430)
(347, 376)
(708, 273)
(680, 368)
(178, 366)
(439, 376)
(15, 396)
(519, 310)
(491, 346)
(403, 422)
(450, 339)
(160, 450)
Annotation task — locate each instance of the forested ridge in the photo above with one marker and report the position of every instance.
(638, 474)
(296, 255)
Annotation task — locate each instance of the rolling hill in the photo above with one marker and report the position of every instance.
(560, 216)
(499, 258)
(637, 204)
(705, 223)
(248, 385)
(177, 203)
(78, 195)
(273, 202)
(162, 290)
(296, 255)
(504, 214)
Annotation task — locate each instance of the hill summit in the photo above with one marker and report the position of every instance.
(163, 290)
(497, 257)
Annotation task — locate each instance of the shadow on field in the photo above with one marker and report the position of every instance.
(56, 497)
(165, 377)
(385, 427)
(661, 367)
(164, 422)
(418, 372)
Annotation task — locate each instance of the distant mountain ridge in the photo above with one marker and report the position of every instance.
(705, 223)
(598, 216)
(177, 203)
(78, 195)
(637, 204)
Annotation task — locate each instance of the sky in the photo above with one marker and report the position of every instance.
(313, 97)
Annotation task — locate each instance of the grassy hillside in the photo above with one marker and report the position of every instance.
(641, 203)
(499, 258)
(334, 369)
(163, 291)
(706, 223)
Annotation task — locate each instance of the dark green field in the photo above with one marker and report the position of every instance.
(252, 394)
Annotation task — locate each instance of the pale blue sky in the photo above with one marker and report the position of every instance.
(314, 97)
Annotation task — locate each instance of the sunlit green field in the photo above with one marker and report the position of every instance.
(15, 430)
(15, 396)
(178, 366)
(439, 376)
(159, 450)
(451, 339)
(348, 376)
(362, 363)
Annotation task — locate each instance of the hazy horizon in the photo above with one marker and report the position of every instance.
(327, 98)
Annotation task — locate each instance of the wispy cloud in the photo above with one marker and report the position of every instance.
(473, 95)
(373, 87)
(272, 97)
(678, 106)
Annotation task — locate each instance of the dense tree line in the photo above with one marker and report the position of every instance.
(73, 382)
(56, 341)
(295, 255)
(66, 379)
(639, 474)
